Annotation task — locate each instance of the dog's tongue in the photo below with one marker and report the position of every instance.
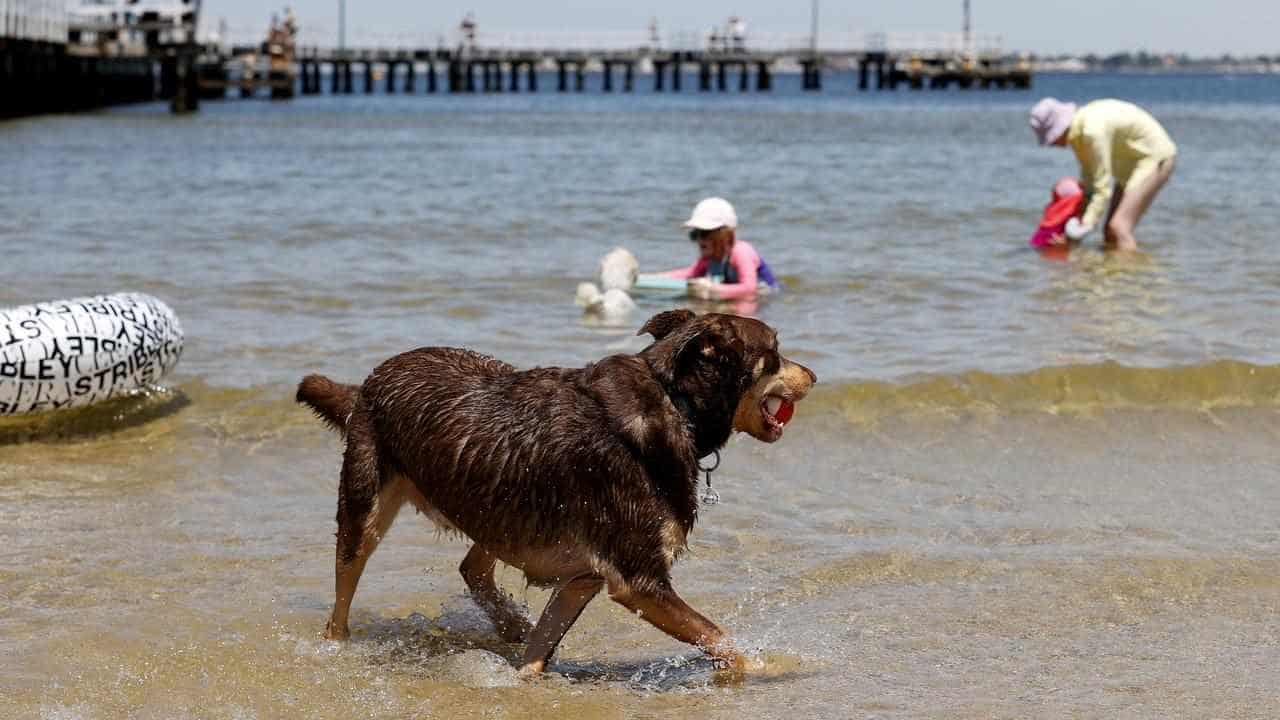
(785, 411)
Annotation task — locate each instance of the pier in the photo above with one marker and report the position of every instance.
(59, 62)
(622, 62)
(37, 75)
(54, 61)
(363, 71)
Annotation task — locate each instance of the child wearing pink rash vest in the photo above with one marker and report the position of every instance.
(727, 268)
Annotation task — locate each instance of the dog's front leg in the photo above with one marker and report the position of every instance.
(562, 610)
(673, 616)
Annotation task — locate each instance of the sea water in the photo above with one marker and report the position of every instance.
(1024, 487)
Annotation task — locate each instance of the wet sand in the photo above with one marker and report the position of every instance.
(949, 565)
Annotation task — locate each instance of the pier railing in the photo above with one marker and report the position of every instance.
(552, 42)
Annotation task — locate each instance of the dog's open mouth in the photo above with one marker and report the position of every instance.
(777, 412)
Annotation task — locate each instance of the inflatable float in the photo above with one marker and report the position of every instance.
(71, 353)
(660, 284)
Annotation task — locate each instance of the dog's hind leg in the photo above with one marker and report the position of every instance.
(507, 618)
(672, 615)
(564, 607)
(366, 509)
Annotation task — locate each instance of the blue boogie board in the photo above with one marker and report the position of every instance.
(659, 284)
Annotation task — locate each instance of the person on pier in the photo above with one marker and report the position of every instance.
(738, 34)
(727, 268)
(1117, 143)
(467, 28)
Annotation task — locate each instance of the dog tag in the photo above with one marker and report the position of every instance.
(709, 496)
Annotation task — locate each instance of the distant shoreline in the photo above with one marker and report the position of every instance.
(1225, 70)
(1143, 64)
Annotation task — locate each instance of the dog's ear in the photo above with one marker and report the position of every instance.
(716, 342)
(661, 325)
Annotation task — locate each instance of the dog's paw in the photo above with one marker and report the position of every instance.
(333, 632)
(531, 670)
(730, 669)
(736, 670)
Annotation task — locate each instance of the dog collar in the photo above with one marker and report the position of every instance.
(710, 496)
(685, 408)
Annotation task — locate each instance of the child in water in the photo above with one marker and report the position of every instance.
(727, 268)
(1065, 203)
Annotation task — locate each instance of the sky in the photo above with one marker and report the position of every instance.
(1197, 27)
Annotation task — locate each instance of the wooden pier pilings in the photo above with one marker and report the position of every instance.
(438, 71)
(39, 77)
(42, 77)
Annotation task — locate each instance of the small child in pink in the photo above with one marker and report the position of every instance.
(1065, 203)
(727, 268)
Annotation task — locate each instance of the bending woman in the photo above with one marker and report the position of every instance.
(1116, 142)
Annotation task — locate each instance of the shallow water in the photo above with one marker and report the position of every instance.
(972, 565)
(1024, 488)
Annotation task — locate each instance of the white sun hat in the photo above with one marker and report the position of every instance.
(712, 213)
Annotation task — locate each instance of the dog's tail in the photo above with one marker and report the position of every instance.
(331, 401)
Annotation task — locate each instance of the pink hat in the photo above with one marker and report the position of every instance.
(1066, 187)
(1068, 197)
(1050, 118)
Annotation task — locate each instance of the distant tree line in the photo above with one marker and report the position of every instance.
(1143, 60)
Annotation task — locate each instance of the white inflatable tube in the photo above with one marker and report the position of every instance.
(71, 353)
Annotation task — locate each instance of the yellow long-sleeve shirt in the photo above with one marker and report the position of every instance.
(1111, 139)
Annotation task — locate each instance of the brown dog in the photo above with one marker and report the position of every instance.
(581, 478)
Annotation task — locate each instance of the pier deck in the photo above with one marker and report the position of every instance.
(88, 64)
(519, 70)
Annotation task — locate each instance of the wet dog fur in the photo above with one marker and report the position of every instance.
(584, 479)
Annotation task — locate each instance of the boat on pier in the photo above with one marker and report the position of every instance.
(268, 65)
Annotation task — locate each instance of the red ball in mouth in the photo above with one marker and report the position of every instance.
(777, 412)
